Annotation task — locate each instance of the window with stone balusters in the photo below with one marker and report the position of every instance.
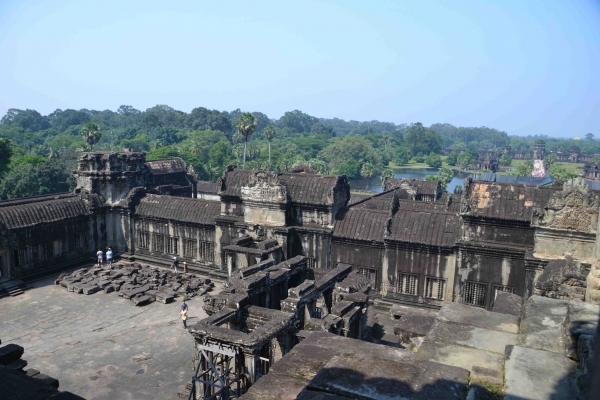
(189, 248)
(474, 293)
(172, 245)
(206, 251)
(158, 243)
(407, 284)
(434, 288)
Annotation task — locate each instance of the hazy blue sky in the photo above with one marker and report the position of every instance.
(526, 67)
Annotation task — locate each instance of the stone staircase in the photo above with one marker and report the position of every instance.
(12, 288)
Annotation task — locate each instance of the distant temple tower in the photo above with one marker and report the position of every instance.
(539, 149)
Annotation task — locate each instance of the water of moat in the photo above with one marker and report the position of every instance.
(407, 172)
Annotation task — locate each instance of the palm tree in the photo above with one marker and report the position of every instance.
(386, 136)
(196, 149)
(269, 135)
(246, 128)
(238, 151)
(366, 172)
(91, 134)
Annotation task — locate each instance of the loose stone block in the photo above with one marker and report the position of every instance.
(9, 353)
(508, 303)
(410, 326)
(91, 289)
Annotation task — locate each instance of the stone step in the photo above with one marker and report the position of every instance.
(14, 291)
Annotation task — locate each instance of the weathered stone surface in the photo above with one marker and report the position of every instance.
(562, 279)
(538, 374)
(508, 303)
(463, 357)
(410, 326)
(469, 315)
(542, 322)
(141, 300)
(362, 377)
(275, 386)
(582, 319)
(494, 377)
(91, 289)
(470, 336)
(592, 293)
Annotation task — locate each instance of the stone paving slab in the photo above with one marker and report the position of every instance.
(101, 346)
(471, 336)
(463, 357)
(538, 375)
(474, 316)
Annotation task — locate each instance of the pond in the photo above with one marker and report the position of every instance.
(406, 172)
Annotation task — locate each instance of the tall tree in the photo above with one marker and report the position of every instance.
(91, 134)
(269, 135)
(6, 151)
(246, 128)
(386, 136)
(366, 172)
(589, 136)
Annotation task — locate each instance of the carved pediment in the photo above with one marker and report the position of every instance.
(575, 208)
(264, 186)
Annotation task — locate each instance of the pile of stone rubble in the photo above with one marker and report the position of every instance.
(140, 284)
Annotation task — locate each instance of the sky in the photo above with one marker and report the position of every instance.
(524, 67)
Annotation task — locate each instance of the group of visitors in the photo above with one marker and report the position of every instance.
(109, 257)
(176, 264)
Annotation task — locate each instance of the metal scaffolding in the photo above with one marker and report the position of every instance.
(219, 373)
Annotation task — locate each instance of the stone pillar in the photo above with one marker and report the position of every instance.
(592, 292)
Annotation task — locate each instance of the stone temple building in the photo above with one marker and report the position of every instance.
(418, 245)
(496, 273)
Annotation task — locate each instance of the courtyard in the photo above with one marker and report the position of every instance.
(101, 346)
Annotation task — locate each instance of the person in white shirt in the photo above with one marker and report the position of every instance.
(109, 257)
(99, 254)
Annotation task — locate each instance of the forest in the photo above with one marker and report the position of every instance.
(38, 152)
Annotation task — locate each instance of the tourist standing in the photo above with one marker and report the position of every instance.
(183, 310)
(175, 263)
(100, 255)
(184, 267)
(109, 257)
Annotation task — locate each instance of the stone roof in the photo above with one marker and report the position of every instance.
(426, 228)
(27, 212)
(182, 209)
(503, 200)
(309, 188)
(357, 197)
(362, 224)
(207, 187)
(172, 166)
(233, 180)
(522, 180)
(301, 188)
(381, 201)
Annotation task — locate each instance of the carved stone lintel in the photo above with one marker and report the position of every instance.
(574, 208)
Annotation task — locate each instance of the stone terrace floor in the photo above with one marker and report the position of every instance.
(101, 346)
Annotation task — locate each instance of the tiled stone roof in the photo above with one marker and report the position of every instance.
(505, 201)
(207, 187)
(182, 209)
(301, 188)
(171, 166)
(362, 224)
(308, 188)
(23, 213)
(426, 228)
